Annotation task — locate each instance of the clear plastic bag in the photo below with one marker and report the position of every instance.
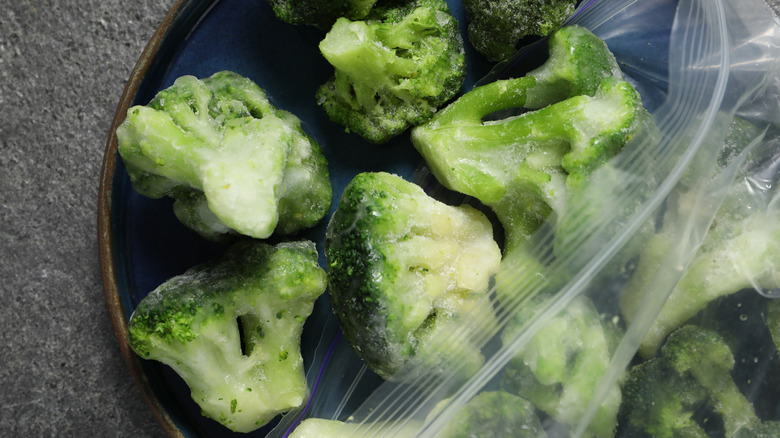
(702, 67)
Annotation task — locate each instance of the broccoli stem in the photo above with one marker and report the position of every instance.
(473, 106)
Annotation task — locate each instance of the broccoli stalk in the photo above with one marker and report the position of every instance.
(559, 369)
(741, 250)
(666, 395)
(320, 13)
(394, 69)
(497, 26)
(404, 270)
(231, 329)
(232, 161)
(521, 166)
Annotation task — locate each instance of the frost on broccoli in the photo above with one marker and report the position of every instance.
(394, 69)
(231, 329)
(740, 251)
(232, 162)
(404, 270)
(682, 391)
(497, 26)
(580, 114)
(559, 369)
(320, 13)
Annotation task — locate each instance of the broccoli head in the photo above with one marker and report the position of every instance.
(660, 403)
(497, 26)
(521, 166)
(319, 13)
(394, 69)
(740, 251)
(403, 269)
(493, 414)
(559, 369)
(231, 329)
(672, 395)
(232, 161)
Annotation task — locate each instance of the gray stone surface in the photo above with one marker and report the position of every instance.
(63, 65)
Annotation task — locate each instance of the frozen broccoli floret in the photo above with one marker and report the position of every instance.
(393, 70)
(559, 369)
(232, 161)
(741, 250)
(522, 166)
(404, 269)
(493, 414)
(231, 329)
(673, 394)
(319, 13)
(708, 359)
(487, 415)
(496, 26)
(661, 403)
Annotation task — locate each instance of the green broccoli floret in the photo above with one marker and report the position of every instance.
(559, 369)
(393, 70)
(493, 414)
(741, 250)
(231, 329)
(320, 13)
(404, 269)
(670, 395)
(496, 26)
(661, 403)
(232, 161)
(521, 166)
(488, 414)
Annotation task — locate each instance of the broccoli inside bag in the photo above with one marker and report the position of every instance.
(580, 340)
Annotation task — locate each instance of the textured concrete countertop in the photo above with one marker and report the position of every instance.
(63, 66)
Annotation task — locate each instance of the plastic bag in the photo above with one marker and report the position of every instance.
(701, 66)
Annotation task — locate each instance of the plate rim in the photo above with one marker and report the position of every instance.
(106, 244)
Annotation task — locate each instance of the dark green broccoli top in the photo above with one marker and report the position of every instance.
(496, 26)
(319, 13)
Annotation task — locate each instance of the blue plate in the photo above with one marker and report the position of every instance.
(141, 242)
